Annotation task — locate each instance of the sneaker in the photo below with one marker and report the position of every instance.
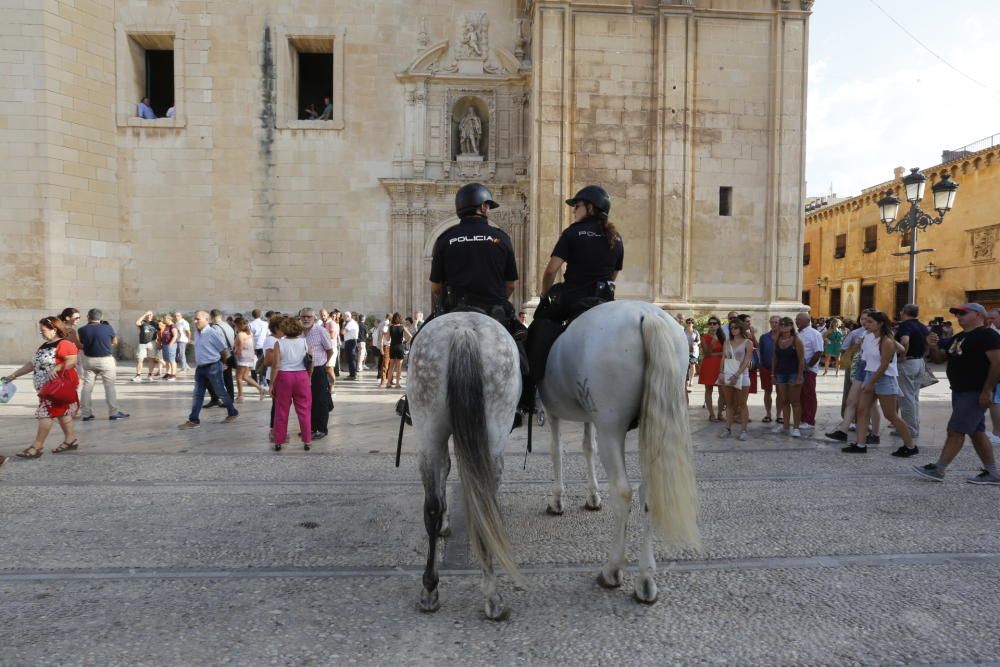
(171, 378)
(873, 440)
(930, 471)
(319, 435)
(854, 449)
(137, 378)
(743, 437)
(807, 427)
(118, 415)
(838, 435)
(229, 419)
(88, 419)
(724, 433)
(852, 427)
(904, 453)
(796, 433)
(188, 425)
(985, 477)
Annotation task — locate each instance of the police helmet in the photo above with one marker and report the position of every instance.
(593, 194)
(472, 196)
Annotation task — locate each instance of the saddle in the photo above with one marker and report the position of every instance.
(555, 313)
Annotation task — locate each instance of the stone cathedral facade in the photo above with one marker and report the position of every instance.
(313, 148)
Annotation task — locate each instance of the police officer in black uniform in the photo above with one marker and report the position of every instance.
(593, 253)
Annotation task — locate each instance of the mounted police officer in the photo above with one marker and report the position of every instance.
(473, 266)
(593, 252)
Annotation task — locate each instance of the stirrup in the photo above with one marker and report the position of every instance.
(403, 410)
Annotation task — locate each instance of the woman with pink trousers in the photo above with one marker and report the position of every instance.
(290, 383)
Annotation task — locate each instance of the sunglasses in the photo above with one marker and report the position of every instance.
(713, 324)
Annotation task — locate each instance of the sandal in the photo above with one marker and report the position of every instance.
(30, 453)
(713, 419)
(66, 447)
(765, 420)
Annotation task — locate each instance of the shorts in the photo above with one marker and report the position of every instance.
(334, 355)
(742, 382)
(858, 371)
(885, 385)
(169, 352)
(787, 378)
(967, 416)
(246, 363)
(765, 378)
(144, 350)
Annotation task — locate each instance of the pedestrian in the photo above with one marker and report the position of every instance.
(973, 370)
(183, 338)
(994, 322)
(351, 329)
(332, 326)
(266, 361)
(246, 358)
(258, 328)
(419, 320)
(711, 346)
(146, 349)
(765, 352)
(912, 335)
(878, 350)
(384, 340)
(320, 349)
(833, 338)
(291, 383)
(55, 379)
(694, 349)
(812, 346)
(788, 372)
(851, 347)
(398, 337)
(735, 384)
(70, 317)
(210, 352)
(98, 339)
(167, 341)
(363, 334)
(229, 336)
(751, 334)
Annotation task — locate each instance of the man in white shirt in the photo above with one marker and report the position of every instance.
(183, 338)
(258, 327)
(321, 348)
(812, 349)
(350, 328)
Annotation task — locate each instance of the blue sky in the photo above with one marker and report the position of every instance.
(878, 100)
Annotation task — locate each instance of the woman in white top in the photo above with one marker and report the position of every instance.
(246, 358)
(878, 351)
(183, 338)
(694, 345)
(736, 386)
(291, 370)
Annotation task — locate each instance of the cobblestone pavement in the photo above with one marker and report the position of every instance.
(154, 546)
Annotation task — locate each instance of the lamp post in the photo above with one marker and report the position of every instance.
(916, 219)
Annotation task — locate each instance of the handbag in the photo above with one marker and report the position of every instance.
(730, 366)
(926, 378)
(61, 388)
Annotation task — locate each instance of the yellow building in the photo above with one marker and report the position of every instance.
(850, 262)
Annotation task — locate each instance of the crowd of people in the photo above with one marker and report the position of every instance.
(885, 367)
(293, 359)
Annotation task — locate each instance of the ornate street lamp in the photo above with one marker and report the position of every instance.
(915, 219)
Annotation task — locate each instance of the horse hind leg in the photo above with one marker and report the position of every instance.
(435, 511)
(612, 452)
(555, 506)
(645, 586)
(445, 522)
(593, 496)
(494, 608)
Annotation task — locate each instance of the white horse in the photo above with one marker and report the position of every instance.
(464, 381)
(616, 362)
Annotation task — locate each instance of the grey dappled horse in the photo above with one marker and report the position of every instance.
(464, 381)
(616, 362)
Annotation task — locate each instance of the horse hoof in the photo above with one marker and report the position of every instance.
(615, 582)
(429, 602)
(646, 592)
(445, 532)
(495, 611)
(593, 505)
(553, 512)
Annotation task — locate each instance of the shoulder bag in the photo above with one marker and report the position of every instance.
(61, 388)
(730, 366)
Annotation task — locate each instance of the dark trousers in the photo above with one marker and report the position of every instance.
(253, 371)
(209, 376)
(321, 401)
(227, 381)
(808, 398)
(351, 350)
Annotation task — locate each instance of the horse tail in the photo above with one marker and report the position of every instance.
(665, 439)
(467, 408)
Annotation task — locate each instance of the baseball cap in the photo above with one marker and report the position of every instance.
(974, 307)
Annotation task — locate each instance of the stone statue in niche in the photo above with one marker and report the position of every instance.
(470, 131)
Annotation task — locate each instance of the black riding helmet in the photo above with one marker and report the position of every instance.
(593, 194)
(472, 196)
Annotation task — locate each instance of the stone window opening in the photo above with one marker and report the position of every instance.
(805, 297)
(871, 239)
(309, 71)
(725, 201)
(867, 297)
(149, 64)
(805, 254)
(834, 302)
(841, 247)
